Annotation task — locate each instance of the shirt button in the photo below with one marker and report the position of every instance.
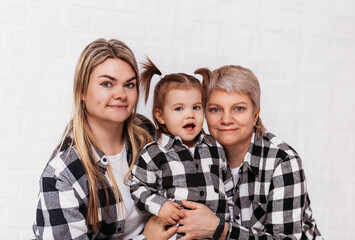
(104, 161)
(202, 193)
(196, 166)
(237, 217)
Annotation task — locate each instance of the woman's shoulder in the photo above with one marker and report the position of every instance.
(280, 147)
(64, 164)
(143, 122)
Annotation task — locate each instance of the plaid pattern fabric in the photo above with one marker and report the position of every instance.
(271, 198)
(63, 197)
(63, 201)
(166, 169)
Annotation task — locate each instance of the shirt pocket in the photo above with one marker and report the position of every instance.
(258, 215)
(213, 177)
(173, 175)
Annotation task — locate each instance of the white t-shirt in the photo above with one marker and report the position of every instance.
(235, 174)
(134, 219)
(192, 150)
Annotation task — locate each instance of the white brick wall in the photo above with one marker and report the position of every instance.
(303, 52)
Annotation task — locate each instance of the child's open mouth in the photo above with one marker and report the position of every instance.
(189, 127)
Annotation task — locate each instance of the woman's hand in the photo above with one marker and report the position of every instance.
(155, 230)
(199, 222)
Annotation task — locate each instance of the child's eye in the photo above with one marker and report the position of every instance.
(178, 109)
(196, 108)
(106, 84)
(130, 85)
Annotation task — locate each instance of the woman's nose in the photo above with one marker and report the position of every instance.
(226, 118)
(119, 93)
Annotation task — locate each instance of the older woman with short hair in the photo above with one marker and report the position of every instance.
(270, 195)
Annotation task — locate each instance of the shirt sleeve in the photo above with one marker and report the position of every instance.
(144, 185)
(286, 202)
(139, 237)
(60, 211)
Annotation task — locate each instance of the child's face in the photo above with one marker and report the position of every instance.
(182, 114)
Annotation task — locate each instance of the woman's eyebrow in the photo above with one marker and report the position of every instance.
(242, 103)
(212, 104)
(114, 79)
(108, 76)
(131, 79)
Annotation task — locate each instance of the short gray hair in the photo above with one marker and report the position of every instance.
(234, 78)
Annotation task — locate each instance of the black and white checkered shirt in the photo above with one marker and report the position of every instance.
(64, 196)
(166, 169)
(271, 198)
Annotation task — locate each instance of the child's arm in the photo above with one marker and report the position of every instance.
(144, 186)
(170, 213)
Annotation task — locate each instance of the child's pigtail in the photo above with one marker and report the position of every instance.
(149, 70)
(206, 77)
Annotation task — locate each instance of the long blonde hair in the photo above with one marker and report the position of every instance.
(83, 140)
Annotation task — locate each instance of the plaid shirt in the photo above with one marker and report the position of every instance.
(166, 169)
(271, 198)
(64, 197)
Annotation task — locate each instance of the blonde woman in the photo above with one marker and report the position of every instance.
(84, 189)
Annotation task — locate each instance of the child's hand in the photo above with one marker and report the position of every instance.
(170, 213)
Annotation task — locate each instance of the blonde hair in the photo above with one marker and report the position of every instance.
(83, 140)
(234, 78)
(164, 85)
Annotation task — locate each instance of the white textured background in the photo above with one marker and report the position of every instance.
(303, 52)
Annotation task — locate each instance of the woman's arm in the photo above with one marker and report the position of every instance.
(59, 211)
(283, 216)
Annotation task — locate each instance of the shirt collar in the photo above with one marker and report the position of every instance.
(252, 158)
(102, 159)
(167, 141)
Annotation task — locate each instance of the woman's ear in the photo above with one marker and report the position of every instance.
(82, 97)
(256, 116)
(159, 115)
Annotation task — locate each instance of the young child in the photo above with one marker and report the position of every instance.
(183, 163)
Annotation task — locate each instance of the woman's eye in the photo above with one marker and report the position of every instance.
(178, 109)
(239, 109)
(213, 110)
(130, 85)
(106, 84)
(196, 108)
